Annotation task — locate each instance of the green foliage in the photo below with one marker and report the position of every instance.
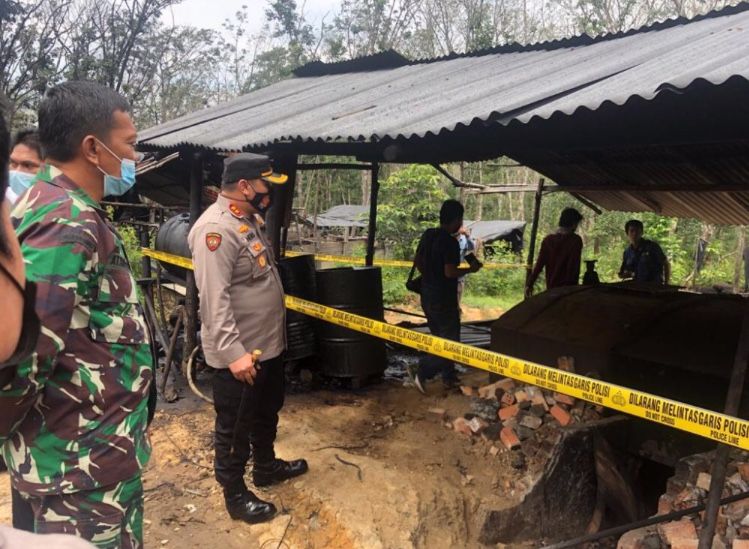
(132, 248)
(507, 283)
(394, 290)
(409, 204)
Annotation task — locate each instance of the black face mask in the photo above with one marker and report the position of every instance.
(257, 201)
(30, 326)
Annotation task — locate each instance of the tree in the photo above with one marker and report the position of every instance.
(409, 204)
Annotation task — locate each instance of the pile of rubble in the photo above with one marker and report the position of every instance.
(688, 488)
(521, 418)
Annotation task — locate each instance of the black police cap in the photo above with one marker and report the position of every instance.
(250, 166)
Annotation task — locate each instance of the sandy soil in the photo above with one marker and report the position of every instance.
(384, 473)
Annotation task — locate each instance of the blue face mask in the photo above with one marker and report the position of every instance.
(20, 181)
(117, 186)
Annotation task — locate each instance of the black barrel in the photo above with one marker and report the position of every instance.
(343, 352)
(298, 278)
(172, 239)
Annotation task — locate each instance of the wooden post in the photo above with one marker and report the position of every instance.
(534, 232)
(733, 402)
(191, 298)
(279, 215)
(374, 192)
(739, 264)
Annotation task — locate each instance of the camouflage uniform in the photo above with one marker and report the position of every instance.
(74, 417)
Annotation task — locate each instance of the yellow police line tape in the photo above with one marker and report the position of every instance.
(389, 262)
(685, 417)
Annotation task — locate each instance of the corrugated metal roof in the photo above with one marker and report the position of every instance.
(427, 98)
(343, 215)
(489, 230)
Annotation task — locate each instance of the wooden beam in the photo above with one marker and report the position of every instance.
(371, 232)
(534, 233)
(333, 166)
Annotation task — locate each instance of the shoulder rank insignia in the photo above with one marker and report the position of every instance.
(213, 241)
(262, 261)
(244, 228)
(235, 211)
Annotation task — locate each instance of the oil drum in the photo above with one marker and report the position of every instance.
(346, 353)
(298, 278)
(171, 238)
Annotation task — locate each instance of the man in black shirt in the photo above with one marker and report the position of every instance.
(437, 259)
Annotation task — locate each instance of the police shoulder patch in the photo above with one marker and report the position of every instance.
(213, 241)
(235, 211)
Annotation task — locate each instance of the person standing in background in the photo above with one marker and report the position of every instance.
(560, 254)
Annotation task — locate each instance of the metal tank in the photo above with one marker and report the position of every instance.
(172, 238)
(298, 277)
(675, 344)
(345, 353)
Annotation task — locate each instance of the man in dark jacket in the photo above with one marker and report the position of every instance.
(643, 260)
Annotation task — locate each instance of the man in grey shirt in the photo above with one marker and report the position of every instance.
(243, 333)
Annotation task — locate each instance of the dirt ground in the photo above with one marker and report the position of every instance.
(384, 473)
(467, 314)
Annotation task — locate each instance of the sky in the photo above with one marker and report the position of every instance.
(211, 13)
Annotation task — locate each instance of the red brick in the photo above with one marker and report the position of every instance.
(703, 481)
(509, 438)
(508, 412)
(744, 471)
(461, 426)
(489, 391)
(737, 510)
(685, 544)
(741, 544)
(678, 533)
(564, 399)
(508, 399)
(665, 505)
(540, 400)
(561, 415)
(636, 539)
(507, 384)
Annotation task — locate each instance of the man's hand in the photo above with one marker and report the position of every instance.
(243, 369)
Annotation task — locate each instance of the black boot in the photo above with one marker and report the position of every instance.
(278, 470)
(248, 507)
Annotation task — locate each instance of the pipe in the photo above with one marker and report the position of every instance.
(172, 345)
(617, 530)
(191, 298)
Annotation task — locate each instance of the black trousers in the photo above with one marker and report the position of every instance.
(246, 421)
